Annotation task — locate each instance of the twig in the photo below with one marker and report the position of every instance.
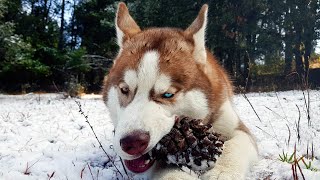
(90, 171)
(289, 134)
(98, 174)
(285, 115)
(307, 102)
(51, 176)
(82, 170)
(55, 86)
(125, 171)
(275, 135)
(308, 110)
(100, 144)
(308, 150)
(312, 151)
(243, 92)
(267, 133)
(274, 132)
(293, 172)
(300, 170)
(307, 105)
(245, 96)
(298, 124)
(305, 86)
(296, 163)
(278, 115)
(274, 112)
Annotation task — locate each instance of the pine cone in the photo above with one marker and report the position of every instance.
(190, 144)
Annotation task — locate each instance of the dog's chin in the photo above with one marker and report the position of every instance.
(140, 165)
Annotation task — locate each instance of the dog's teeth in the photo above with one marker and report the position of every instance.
(147, 161)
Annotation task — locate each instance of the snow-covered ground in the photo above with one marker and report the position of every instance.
(44, 136)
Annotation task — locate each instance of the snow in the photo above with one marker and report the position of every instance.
(43, 135)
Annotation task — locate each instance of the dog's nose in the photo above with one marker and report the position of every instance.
(135, 143)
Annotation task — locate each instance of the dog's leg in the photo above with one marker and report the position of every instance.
(238, 155)
(172, 174)
(239, 150)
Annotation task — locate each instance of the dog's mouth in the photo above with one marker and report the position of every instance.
(141, 164)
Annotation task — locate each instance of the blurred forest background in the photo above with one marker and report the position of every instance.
(68, 45)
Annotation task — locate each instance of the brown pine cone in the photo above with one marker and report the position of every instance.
(189, 144)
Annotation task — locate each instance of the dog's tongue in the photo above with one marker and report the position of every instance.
(139, 165)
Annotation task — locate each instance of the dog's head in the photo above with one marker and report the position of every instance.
(158, 75)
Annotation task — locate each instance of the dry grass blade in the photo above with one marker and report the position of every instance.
(27, 170)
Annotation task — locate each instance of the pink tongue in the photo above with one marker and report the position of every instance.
(137, 162)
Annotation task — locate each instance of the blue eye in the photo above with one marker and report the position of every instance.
(167, 95)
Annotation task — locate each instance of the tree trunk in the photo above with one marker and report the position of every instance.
(298, 60)
(229, 61)
(246, 71)
(32, 6)
(297, 52)
(61, 36)
(73, 34)
(47, 10)
(288, 55)
(308, 49)
(248, 57)
(237, 64)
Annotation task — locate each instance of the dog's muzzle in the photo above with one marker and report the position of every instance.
(136, 143)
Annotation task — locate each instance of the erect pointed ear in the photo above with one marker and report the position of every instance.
(126, 27)
(197, 31)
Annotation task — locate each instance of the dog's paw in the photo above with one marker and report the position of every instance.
(216, 174)
(173, 175)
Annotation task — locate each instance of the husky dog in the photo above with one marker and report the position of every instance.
(159, 75)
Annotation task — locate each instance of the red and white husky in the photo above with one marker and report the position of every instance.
(160, 74)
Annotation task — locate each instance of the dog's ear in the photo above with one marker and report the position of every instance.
(197, 31)
(126, 27)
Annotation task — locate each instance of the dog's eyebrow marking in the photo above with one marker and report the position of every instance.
(131, 78)
(162, 84)
(148, 71)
